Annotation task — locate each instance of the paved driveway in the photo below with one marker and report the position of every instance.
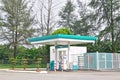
(75, 75)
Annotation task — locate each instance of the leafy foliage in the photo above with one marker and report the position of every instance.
(16, 22)
(83, 24)
(38, 63)
(106, 13)
(62, 31)
(13, 62)
(100, 46)
(24, 63)
(30, 54)
(67, 15)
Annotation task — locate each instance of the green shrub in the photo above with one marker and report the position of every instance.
(13, 62)
(38, 63)
(24, 63)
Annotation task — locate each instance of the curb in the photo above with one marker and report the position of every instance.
(8, 70)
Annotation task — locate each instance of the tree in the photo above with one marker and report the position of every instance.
(46, 19)
(44, 53)
(62, 31)
(16, 22)
(106, 14)
(100, 46)
(67, 15)
(83, 25)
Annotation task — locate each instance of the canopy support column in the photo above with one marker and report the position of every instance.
(68, 65)
(55, 62)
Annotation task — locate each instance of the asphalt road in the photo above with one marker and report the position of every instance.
(75, 75)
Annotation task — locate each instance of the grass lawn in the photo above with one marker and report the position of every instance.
(4, 66)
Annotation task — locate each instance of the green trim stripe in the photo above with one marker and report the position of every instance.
(63, 36)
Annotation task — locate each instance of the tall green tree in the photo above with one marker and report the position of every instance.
(67, 15)
(83, 24)
(16, 23)
(106, 14)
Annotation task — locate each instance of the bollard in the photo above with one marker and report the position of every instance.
(62, 67)
(55, 67)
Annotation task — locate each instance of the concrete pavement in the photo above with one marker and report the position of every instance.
(74, 75)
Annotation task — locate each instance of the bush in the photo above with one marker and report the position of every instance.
(13, 62)
(24, 63)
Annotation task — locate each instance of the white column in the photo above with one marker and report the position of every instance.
(68, 65)
(56, 55)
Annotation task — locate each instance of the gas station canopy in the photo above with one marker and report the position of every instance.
(62, 39)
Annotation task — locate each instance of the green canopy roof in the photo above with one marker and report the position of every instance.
(62, 38)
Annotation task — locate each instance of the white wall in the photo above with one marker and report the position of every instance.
(74, 51)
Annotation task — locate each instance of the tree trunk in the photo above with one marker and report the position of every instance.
(112, 27)
(15, 44)
(49, 15)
